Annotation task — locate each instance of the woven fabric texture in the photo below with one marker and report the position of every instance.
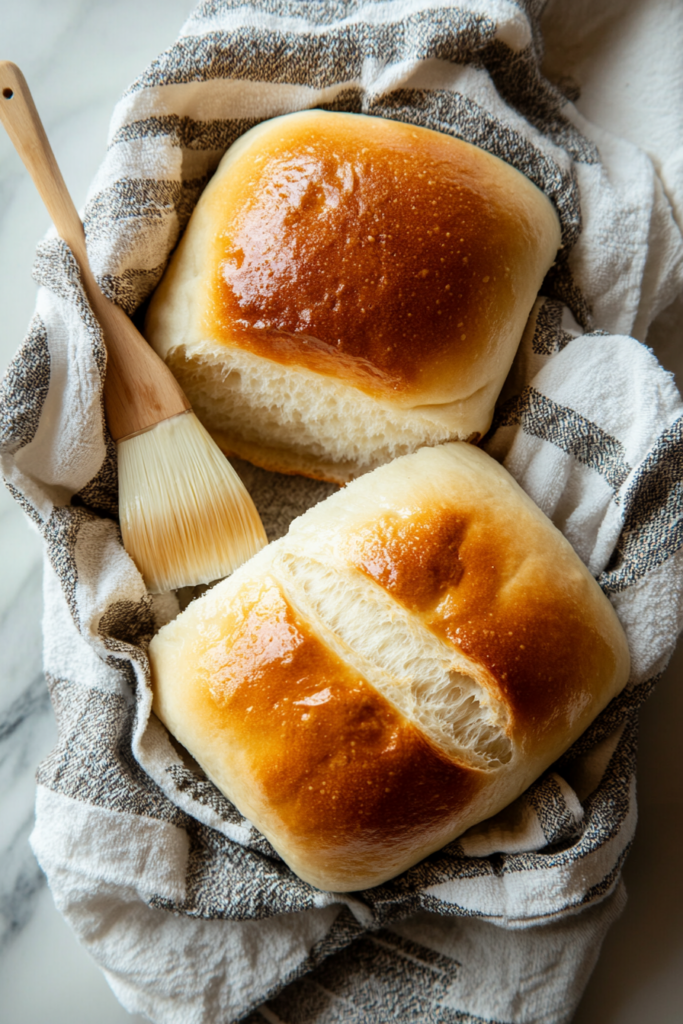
(184, 904)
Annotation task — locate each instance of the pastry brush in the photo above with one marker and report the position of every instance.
(186, 517)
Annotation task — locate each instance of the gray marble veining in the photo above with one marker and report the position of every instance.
(27, 732)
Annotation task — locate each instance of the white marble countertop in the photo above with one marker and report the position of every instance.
(79, 55)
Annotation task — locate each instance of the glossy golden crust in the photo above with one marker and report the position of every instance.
(519, 607)
(416, 651)
(317, 754)
(388, 256)
(364, 280)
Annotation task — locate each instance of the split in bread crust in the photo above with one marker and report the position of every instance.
(400, 666)
(350, 288)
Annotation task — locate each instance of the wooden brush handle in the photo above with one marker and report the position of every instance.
(139, 389)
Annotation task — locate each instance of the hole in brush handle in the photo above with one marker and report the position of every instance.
(8, 93)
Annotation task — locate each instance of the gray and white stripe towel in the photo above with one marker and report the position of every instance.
(185, 906)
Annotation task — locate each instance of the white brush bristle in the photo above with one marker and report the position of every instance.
(186, 517)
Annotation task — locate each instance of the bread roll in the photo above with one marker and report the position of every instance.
(400, 666)
(350, 288)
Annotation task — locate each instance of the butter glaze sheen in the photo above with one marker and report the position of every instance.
(350, 288)
(403, 664)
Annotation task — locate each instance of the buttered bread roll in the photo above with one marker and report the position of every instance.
(349, 289)
(403, 664)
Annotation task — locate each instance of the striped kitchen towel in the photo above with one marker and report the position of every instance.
(188, 910)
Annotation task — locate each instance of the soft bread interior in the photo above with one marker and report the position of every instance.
(434, 687)
(400, 666)
(331, 428)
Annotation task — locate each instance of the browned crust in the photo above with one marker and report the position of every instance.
(276, 709)
(331, 772)
(390, 257)
(508, 593)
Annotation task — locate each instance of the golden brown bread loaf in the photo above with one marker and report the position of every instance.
(400, 666)
(350, 288)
